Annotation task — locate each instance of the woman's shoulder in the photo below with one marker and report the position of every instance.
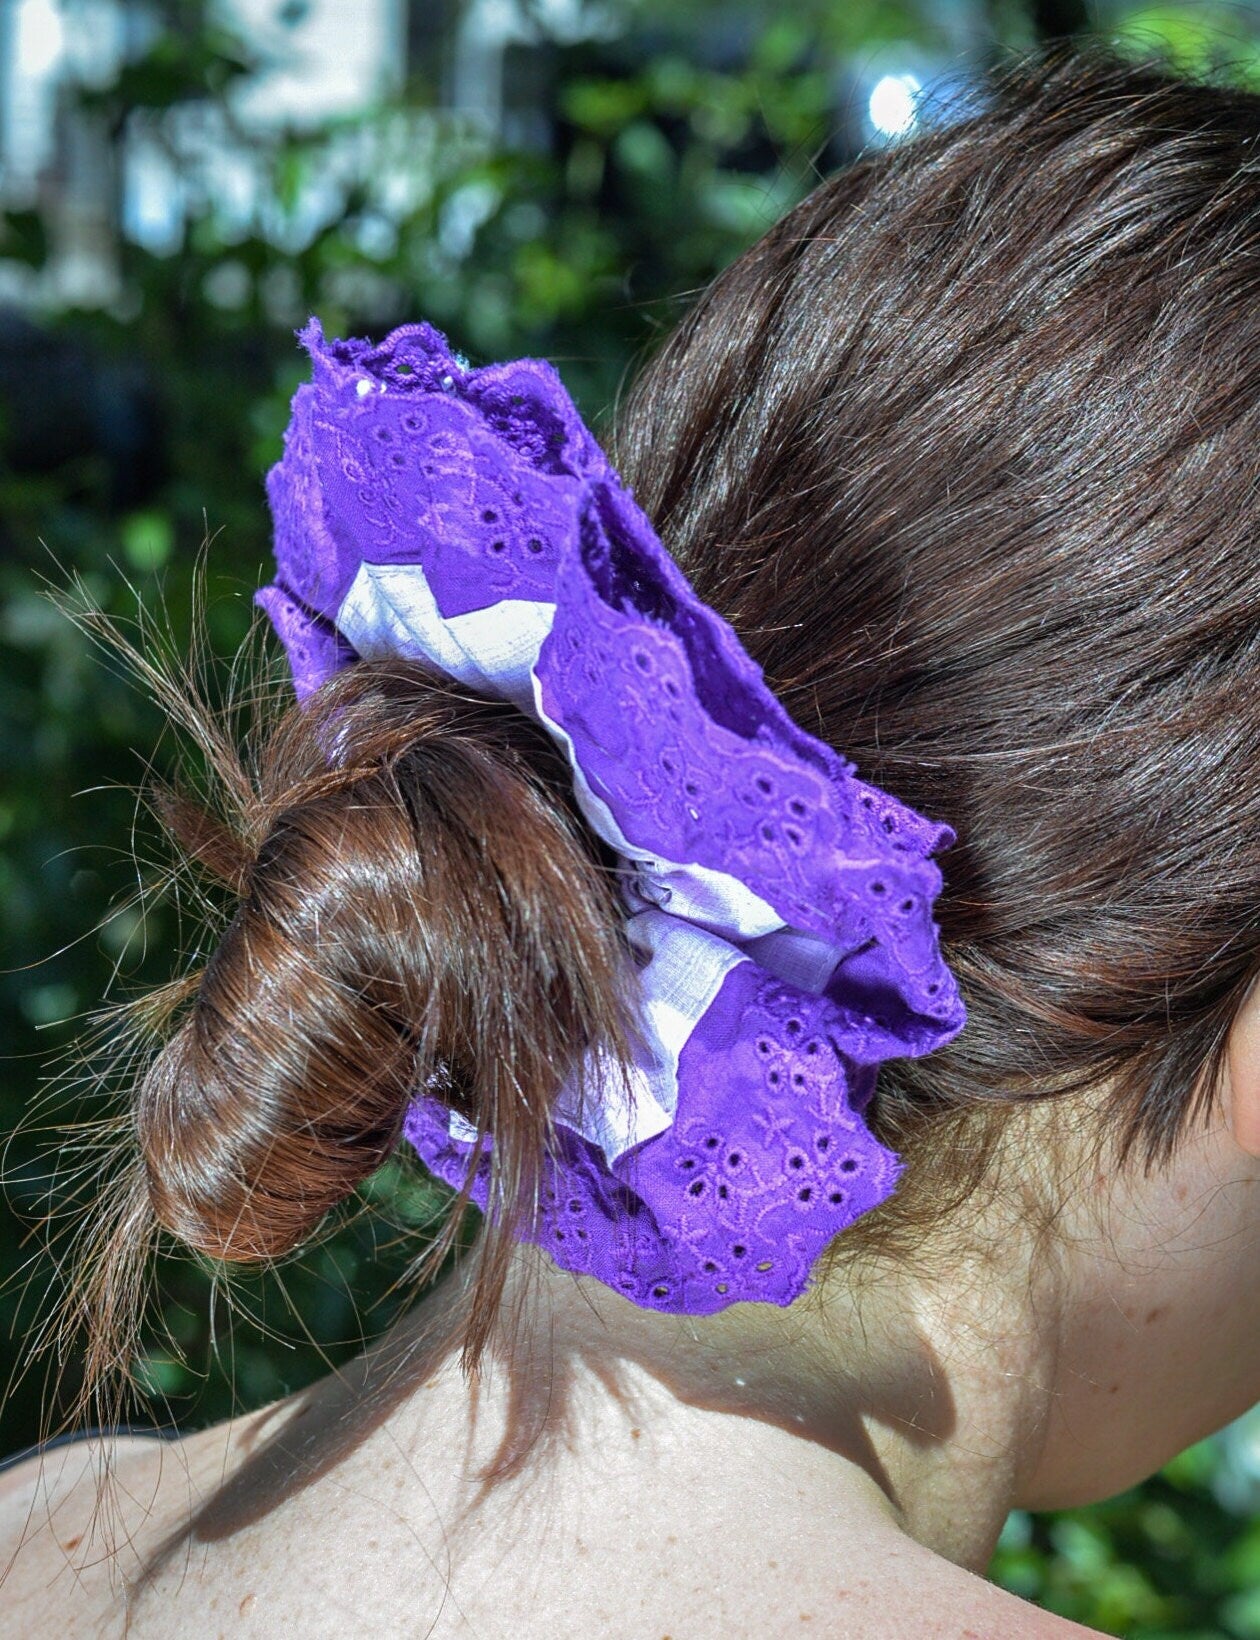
(56, 1564)
(81, 1520)
(149, 1547)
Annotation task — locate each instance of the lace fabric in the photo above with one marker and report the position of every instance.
(781, 906)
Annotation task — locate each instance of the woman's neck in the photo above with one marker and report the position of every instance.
(929, 1397)
(1019, 1363)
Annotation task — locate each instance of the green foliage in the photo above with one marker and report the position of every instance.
(180, 65)
(667, 170)
(23, 238)
(1162, 1561)
(1201, 40)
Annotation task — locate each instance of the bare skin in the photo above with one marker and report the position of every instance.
(366, 1506)
(841, 1468)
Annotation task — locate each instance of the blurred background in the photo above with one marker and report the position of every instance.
(181, 185)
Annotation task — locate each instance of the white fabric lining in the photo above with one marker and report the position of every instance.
(713, 921)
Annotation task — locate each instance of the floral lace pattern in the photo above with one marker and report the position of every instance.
(486, 491)
(767, 1158)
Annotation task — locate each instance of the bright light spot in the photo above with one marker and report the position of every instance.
(324, 59)
(153, 197)
(894, 104)
(41, 37)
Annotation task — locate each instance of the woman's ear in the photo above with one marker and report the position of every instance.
(1242, 1075)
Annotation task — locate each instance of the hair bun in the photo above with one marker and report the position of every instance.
(423, 900)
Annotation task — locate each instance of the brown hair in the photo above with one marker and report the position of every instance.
(419, 905)
(965, 448)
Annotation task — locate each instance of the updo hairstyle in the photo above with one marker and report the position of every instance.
(967, 448)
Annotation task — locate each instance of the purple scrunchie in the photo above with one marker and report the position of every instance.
(780, 907)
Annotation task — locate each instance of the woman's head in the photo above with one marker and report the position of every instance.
(964, 449)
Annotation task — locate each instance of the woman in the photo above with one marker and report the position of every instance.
(965, 451)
